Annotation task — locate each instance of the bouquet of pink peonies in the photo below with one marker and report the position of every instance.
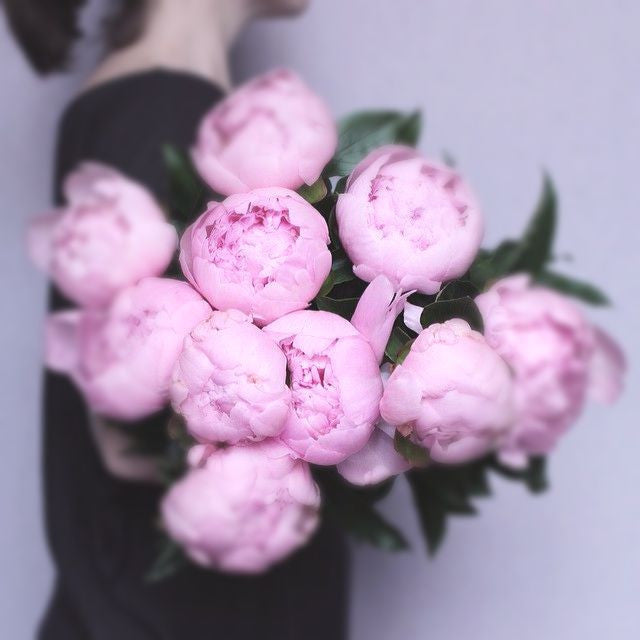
(331, 322)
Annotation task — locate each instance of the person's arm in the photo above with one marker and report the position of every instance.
(114, 447)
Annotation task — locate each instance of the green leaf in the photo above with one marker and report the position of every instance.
(352, 508)
(398, 340)
(409, 129)
(365, 131)
(327, 285)
(491, 265)
(421, 299)
(530, 254)
(443, 310)
(440, 491)
(314, 192)
(344, 308)
(334, 235)
(534, 250)
(457, 289)
(410, 451)
(188, 194)
(534, 475)
(341, 185)
(572, 287)
(169, 561)
(404, 352)
(341, 272)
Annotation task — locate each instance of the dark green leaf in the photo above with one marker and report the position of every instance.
(491, 265)
(398, 340)
(188, 194)
(344, 308)
(327, 285)
(421, 299)
(530, 254)
(440, 491)
(169, 561)
(534, 250)
(444, 310)
(410, 451)
(341, 272)
(457, 289)
(534, 475)
(409, 129)
(341, 185)
(365, 131)
(572, 287)
(334, 236)
(352, 509)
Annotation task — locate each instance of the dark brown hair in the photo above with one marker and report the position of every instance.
(47, 29)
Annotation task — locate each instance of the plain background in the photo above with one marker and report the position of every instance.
(508, 87)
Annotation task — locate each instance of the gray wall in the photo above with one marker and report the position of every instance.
(509, 87)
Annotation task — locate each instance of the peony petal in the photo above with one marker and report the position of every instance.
(412, 313)
(39, 239)
(61, 341)
(376, 312)
(607, 369)
(377, 461)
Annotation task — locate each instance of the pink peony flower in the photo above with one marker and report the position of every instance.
(229, 381)
(264, 253)
(122, 358)
(452, 394)
(408, 218)
(376, 311)
(273, 131)
(378, 460)
(244, 508)
(110, 234)
(550, 346)
(335, 385)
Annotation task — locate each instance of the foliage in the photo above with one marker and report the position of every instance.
(365, 131)
(441, 491)
(353, 509)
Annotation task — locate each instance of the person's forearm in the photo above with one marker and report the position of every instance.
(114, 447)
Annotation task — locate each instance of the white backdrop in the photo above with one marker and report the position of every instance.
(508, 87)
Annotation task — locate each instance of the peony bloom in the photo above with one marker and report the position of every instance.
(408, 218)
(243, 509)
(378, 460)
(550, 346)
(335, 385)
(264, 253)
(230, 381)
(452, 394)
(122, 358)
(110, 234)
(271, 132)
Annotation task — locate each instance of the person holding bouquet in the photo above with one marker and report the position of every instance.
(284, 320)
(166, 65)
